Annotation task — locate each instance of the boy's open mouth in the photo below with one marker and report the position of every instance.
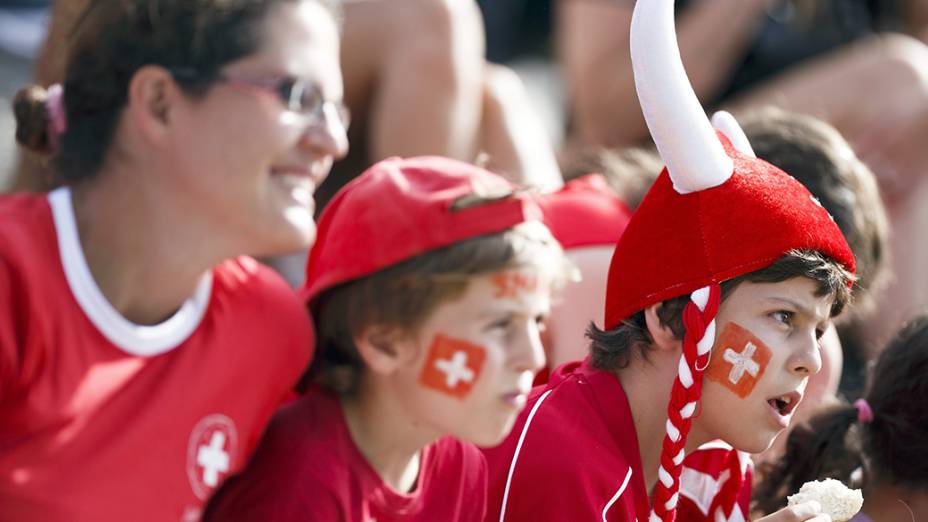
(786, 403)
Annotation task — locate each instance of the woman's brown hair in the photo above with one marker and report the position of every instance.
(109, 42)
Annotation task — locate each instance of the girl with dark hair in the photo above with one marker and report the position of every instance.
(140, 354)
(878, 443)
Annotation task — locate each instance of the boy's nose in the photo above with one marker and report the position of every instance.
(807, 357)
(529, 354)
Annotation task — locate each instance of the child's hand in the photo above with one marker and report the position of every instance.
(806, 512)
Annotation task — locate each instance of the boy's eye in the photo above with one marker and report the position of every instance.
(783, 316)
(501, 324)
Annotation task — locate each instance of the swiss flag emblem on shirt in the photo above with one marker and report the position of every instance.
(210, 453)
(452, 366)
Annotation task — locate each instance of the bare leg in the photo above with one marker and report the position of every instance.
(907, 293)
(593, 39)
(511, 134)
(414, 69)
(413, 73)
(876, 93)
(417, 83)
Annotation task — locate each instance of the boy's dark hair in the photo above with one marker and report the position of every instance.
(403, 295)
(613, 349)
(816, 154)
(112, 40)
(892, 449)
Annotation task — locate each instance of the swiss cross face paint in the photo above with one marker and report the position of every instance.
(452, 366)
(739, 360)
(510, 284)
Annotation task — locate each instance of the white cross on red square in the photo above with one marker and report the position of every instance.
(214, 459)
(455, 369)
(741, 363)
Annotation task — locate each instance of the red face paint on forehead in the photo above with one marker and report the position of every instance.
(510, 284)
(738, 360)
(452, 366)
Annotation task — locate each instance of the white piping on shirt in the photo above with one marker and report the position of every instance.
(618, 493)
(515, 456)
(134, 339)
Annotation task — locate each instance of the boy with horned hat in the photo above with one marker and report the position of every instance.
(722, 283)
(428, 285)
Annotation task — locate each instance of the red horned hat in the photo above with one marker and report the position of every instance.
(677, 243)
(716, 212)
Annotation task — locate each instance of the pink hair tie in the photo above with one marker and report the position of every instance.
(864, 411)
(57, 120)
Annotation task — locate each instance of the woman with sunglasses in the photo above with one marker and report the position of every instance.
(141, 354)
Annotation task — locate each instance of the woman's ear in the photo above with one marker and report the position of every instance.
(662, 335)
(150, 95)
(383, 349)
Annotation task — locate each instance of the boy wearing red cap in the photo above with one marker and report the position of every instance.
(428, 285)
(721, 284)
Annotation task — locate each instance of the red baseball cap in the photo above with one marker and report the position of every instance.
(401, 208)
(585, 212)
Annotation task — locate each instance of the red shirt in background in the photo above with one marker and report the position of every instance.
(102, 420)
(308, 468)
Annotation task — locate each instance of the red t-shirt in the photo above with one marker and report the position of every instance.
(102, 419)
(308, 468)
(573, 455)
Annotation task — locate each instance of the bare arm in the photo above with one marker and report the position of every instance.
(594, 46)
(512, 135)
(418, 67)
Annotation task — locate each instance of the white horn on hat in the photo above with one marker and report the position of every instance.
(728, 125)
(685, 139)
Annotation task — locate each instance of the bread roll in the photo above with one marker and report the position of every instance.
(836, 499)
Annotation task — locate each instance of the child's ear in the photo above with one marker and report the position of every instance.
(382, 348)
(661, 334)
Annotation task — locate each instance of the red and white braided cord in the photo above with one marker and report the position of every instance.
(699, 320)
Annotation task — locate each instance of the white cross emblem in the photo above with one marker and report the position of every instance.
(213, 459)
(741, 363)
(455, 369)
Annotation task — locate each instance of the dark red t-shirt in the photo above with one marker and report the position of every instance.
(574, 455)
(308, 468)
